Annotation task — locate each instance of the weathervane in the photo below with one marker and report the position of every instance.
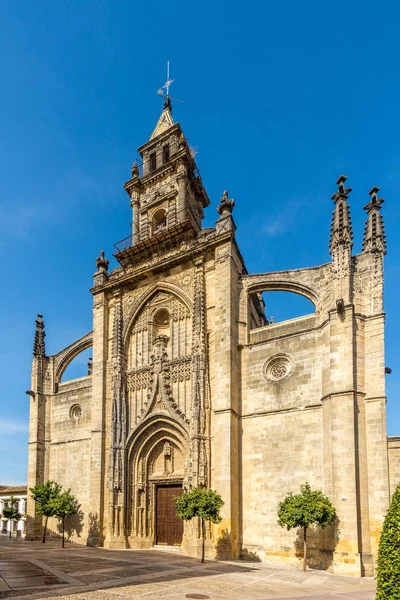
(165, 94)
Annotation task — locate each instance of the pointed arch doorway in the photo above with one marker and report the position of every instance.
(158, 469)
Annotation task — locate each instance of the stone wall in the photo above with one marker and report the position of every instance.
(394, 462)
(69, 449)
(281, 423)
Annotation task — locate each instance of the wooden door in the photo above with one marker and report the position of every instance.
(169, 528)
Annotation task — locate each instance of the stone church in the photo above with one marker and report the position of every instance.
(190, 385)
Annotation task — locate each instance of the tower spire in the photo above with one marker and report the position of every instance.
(374, 232)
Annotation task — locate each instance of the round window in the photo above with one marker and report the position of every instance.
(75, 412)
(278, 367)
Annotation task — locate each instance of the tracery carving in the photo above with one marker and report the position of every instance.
(277, 368)
(168, 380)
(119, 426)
(179, 311)
(139, 379)
(179, 369)
(159, 371)
(171, 288)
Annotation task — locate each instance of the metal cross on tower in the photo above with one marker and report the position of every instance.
(164, 91)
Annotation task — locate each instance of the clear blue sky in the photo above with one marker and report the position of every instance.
(278, 97)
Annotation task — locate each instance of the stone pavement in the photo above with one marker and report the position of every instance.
(34, 570)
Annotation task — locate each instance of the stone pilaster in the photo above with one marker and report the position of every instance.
(226, 403)
(340, 430)
(97, 434)
(37, 427)
(116, 484)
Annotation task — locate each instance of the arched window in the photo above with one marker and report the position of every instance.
(159, 221)
(165, 153)
(153, 162)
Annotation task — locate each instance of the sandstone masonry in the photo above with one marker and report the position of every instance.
(190, 385)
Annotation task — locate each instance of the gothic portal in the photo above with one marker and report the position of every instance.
(190, 384)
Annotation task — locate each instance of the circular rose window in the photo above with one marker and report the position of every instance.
(75, 412)
(277, 367)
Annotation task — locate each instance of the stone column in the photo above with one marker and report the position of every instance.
(135, 218)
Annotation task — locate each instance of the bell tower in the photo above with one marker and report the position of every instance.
(166, 192)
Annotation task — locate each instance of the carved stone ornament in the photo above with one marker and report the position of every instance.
(135, 170)
(102, 262)
(277, 368)
(226, 205)
(75, 412)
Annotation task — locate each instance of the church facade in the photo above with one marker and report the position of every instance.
(191, 386)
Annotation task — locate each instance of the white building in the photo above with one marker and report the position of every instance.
(19, 492)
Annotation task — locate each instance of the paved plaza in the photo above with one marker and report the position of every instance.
(34, 570)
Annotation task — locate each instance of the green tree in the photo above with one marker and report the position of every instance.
(388, 568)
(64, 505)
(44, 494)
(310, 507)
(203, 503)
(10, 511)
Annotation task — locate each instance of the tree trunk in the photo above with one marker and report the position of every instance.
(305, 549)
(44, 530)
(10, 527)
(203, 538)
(63, 532)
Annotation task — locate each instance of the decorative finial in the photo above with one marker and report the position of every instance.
(102, 263)
(90, 366)
(375, 202)
(135, 170)
(342, 191)
(167, 105)
(374, 232)
(341, 229)
(39, 349)
(225, 207)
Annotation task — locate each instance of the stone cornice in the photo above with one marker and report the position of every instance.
(167, 263)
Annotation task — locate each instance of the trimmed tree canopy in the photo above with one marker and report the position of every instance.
(64, 505)
(199, 502)
(310, 507)
(203, 503)
(44, 494)
(10, 511)
(388, 579)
